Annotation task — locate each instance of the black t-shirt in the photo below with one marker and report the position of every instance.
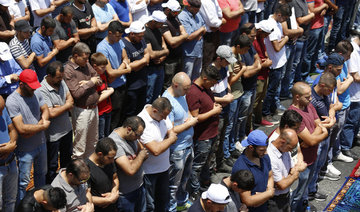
(29, 204)
(301, 9)
(154, 37)
(101, 181)
(5, 19)
(196, 207)
(248, 58)
(135, 51)
(173, 25)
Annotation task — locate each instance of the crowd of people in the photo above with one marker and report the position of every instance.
(135, 105)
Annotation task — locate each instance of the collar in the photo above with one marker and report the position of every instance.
(249, 162)
(275, 150)
(147, 116)
(63, 183)
(200, 88)
(47, 85)
(73, 65)
(316, 95)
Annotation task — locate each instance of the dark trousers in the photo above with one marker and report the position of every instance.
(117, 101)
(171, 67)
(64, 145)
(211, 43)
(157, 191)
(135, 101)
(279, 203)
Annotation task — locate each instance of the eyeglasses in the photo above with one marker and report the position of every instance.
(84, 180)
(137, 134)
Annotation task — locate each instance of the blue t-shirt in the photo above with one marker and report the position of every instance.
(261, 175)
(135, 51)
(103, 15)
(113, 52)
(7, 68)
(249, 59)
(121, 9)
(333, 94)
(344, 97)
(41, 45)
(5, 120)
(178, 115)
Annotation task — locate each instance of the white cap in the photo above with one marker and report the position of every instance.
(173, 5)
(265, 26)
(135, 27)
(5, 3)
(217, 193)
(225, 52)
(158, 16)
(5, 53)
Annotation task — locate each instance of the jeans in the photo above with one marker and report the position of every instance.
(327, 20)
(312, 51)
(179, 173)
(118, 106)
(341, 118)
(171, 67)
(273, 91)
(340, 24)
(226, 38)
(246, 105)
(289, 75)
(301, 47)
(155, 81)
(229, 141)
(157, 191)
(218, 148)
(300, 194)
(321, 161)
(200, 167)
(37, 157)
(134, 201)
(269, 8)
(351, 126)
(64, 146)
(192, 67)
(104, 125)
(8, 186)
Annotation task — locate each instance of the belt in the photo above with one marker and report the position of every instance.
(8, 162)
(87, 107)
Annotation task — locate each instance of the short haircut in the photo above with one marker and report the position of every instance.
(243, 41)
(328, 79)
(105, 145)
(290, 118)
(116, 26)
(244, 178)
(48, 22)
(80, 48)
(194, 3)
(246, 28)
(56, 197)
(344, 47)
(66, 11)
(76, 167)
(211, 73)
(284, 10)
(162, 104)
(53, 67)
(134, 122)
(98, 59)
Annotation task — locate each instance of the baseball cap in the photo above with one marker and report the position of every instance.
(335, 59)
(265, 26)
(256, 137)
(135, 27)
(173, 5)
(217, 193)
(22, 26)
(29, 77)
(158, 16)
(226, 53)
(5, 3)
(5, 53)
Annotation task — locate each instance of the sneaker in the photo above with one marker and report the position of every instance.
(280, 110)
(186, 206)
(349, 154)
(331, 168)
(264, 123)
(309, 80)
(224, 168)
(270, 119)
(229, 162)
(194, 196)
(317, 196)
(331, 176)
(344, 158)
(235, 153)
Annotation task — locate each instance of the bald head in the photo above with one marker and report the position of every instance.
(299, 88)
(289, 139)
(181, 78)
(180, 84)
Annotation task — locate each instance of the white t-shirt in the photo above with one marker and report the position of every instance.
(278, 58)
(155, 131)
(39, 4)
(354, 67)
(17, 9)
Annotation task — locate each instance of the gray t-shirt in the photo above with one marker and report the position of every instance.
(60, 125)
(75, 196)
(130, 150)
(29, 109)
(64, 31)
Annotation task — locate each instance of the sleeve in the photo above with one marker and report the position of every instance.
(73, 27)
(15, 51)
(276, 171)
(15, 67)
(96, 14)
(313, 111)
(208, 13)
(111, 9)
(45, 96)
(273, 36)
(40, 98)
(37, 48)
(55, 35)
(34, 4)
(134, 8)
(3, 82)
(352, 63)
(120, 152)
(186, 23)
(192, 101)
(72, 83)
(147, 136)
(12, 107)
(168, 123)
(223, 4)
(164, 28)
(7, 117)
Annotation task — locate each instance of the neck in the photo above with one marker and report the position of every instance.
(79, 5)
(50, 83)
(39, 195)
(95, 159)
(250, 156)
(100, 4)
(108, 40)
(277, 143)
(199, 81)
(171, 91)
(64, 176)
(20, 91)
(150, 112)
(41, 32)
(21, 39)
(297, 105)
(318, 90)
(227, 182)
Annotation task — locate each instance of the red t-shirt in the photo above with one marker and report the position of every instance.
(260, 48)
(203, 100)
(309, 116)
(318, 21)
(231, 24)
(104, 106)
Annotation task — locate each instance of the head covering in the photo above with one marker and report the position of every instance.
(335, 59)
(5, 53)
(158, 16)
(194, 3)
(217, 193)
(256, 137)
(5, 3)
(173, 5)
(226, 53)
(135, 27)
(22, 26)
(29, 77)
(265, 26)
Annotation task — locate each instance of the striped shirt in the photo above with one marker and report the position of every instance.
(18, 49)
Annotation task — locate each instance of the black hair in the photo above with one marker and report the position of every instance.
(243, 41)
(211, 72)
(76, 167)
(290, 118)
(116, 26)
(327, 78)
(105, 145)
(134, 122)
(56, 197)
(53, 67)
(162, 104)
(244, 178)
(246, 28)
(284, 10)
(344, 47)
(66, 11)
(48, 22)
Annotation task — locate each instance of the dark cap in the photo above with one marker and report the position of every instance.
(335, 59)
(194, 3)
(22, 26)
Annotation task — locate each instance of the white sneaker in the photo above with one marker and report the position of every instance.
(331, 168)
(344, 158)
